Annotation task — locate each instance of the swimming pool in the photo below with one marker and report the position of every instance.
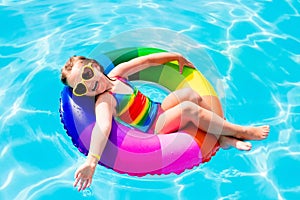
(255, 46)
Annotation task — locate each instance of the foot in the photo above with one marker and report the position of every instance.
(228, 142)
(254, 133)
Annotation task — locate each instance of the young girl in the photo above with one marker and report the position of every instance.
(179, 109)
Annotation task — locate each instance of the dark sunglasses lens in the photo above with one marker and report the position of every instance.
(87, 73)
(80, 89)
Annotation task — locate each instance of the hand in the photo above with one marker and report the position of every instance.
(184, 62)
(84, 174)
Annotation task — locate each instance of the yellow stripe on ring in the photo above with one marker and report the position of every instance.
(199, 83)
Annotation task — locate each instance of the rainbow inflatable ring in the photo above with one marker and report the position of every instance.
(132, 152)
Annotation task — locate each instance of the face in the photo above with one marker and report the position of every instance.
(85, 78)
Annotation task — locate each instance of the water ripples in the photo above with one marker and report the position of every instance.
(254, 46)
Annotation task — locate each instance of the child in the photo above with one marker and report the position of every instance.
(178, 110)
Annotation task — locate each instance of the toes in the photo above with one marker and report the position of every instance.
(266, 128)
(246, 146)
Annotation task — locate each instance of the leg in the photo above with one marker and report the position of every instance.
(185, 94)
(180, 115)
(209, 102)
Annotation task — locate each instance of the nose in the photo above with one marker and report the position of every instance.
(89, 84)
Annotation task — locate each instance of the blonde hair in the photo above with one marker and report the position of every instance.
(67, 68)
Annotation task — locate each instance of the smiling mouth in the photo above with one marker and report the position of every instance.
(96, 86)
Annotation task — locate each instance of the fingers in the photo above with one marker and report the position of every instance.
(81, 182)
(89, 183)
(80, 187)
(189, 64)
(182, 66)
(183, 63)
(76, 174)
(77, 178)
(83, 177)
(84, 183)
(76, 182)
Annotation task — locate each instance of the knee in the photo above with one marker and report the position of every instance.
(188, 107)
(194, 96)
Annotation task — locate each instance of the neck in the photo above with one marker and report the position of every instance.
(108, 83)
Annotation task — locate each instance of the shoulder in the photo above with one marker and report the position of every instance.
(106, 98)
(105, 105)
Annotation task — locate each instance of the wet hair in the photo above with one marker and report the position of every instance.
(66, 70)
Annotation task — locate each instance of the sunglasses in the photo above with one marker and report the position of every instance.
(87, 73)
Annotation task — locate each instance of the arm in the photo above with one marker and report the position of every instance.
(137, 64)
(101, 131)
(104, 110)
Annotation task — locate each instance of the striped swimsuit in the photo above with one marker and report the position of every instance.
(136, 109)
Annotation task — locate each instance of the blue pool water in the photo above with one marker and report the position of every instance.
(255, 47)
